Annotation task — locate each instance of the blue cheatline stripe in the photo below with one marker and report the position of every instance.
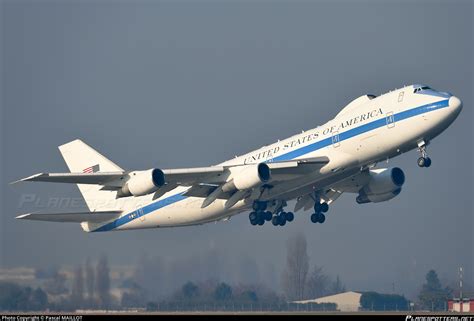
(141, 212)
(362, 129)
(290, 155)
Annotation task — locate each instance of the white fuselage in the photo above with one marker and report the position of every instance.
(364, 133)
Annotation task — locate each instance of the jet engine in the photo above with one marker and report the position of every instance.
(142, 183)
(249, 177)
(384, 184)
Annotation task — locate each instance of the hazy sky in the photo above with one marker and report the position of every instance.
(182, 84)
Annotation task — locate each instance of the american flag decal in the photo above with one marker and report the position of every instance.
(91, 169)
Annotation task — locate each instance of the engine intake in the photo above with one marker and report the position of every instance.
(142, 183)
(384, 184)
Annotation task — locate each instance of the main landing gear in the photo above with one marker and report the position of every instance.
(424, 160)
(319, 209)
(282, 217)
(259, 215)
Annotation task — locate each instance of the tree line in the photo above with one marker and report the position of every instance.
(90, 288)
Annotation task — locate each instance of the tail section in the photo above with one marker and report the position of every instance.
(81, 158)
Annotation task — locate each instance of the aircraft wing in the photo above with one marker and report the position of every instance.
(284, 170)
(203, 181)
(191, 176)
(93, 217)
(179, 176)
(217, 174)
(99, 178)
(203, 190)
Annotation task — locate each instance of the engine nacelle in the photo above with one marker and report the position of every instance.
(376, 198)
(143, 182)
(249, 177)
(384, 184)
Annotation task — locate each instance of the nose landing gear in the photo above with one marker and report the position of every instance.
(424, 160)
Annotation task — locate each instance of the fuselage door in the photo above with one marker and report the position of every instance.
(335, 139)
(140, 212)
(400, 96)
(390, 118)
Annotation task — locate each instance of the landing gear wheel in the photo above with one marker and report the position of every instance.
(314, 218)
(275, 221)
(268, 216)
(283, 216)
(290, 216)
(324, 207)
(427, 162)
(261, 221)
(253, 216)
(282, 221)
(321, 218)
(253, 222)
(421, 161)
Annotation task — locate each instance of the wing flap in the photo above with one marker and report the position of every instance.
(79, 217)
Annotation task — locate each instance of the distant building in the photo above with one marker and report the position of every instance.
(347, 301)
(461, 305)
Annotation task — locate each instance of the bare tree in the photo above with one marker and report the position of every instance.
(103, 282)
(90, 280)
(318, 283)
(337, 286)
(297, 265)
(77, 295)
(57, 284)
(152, 275)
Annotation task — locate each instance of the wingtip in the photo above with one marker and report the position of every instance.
(23, 216)
(29, 178)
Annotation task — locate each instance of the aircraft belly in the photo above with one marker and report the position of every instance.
(185, 212)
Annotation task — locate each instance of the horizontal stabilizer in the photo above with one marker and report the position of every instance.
(99, 178)
(93, 217)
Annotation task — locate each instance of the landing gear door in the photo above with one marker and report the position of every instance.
(140, 213)
(390, 119)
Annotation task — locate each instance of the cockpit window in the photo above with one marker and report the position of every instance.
(421, 88)
(426, 90)
(371, 96)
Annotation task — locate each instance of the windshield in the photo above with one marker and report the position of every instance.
(421, 88)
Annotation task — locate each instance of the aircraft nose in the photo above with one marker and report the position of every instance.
(455, 104)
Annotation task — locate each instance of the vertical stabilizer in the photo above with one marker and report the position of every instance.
(81, 158)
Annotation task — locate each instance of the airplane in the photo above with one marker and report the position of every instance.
(314, 168)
